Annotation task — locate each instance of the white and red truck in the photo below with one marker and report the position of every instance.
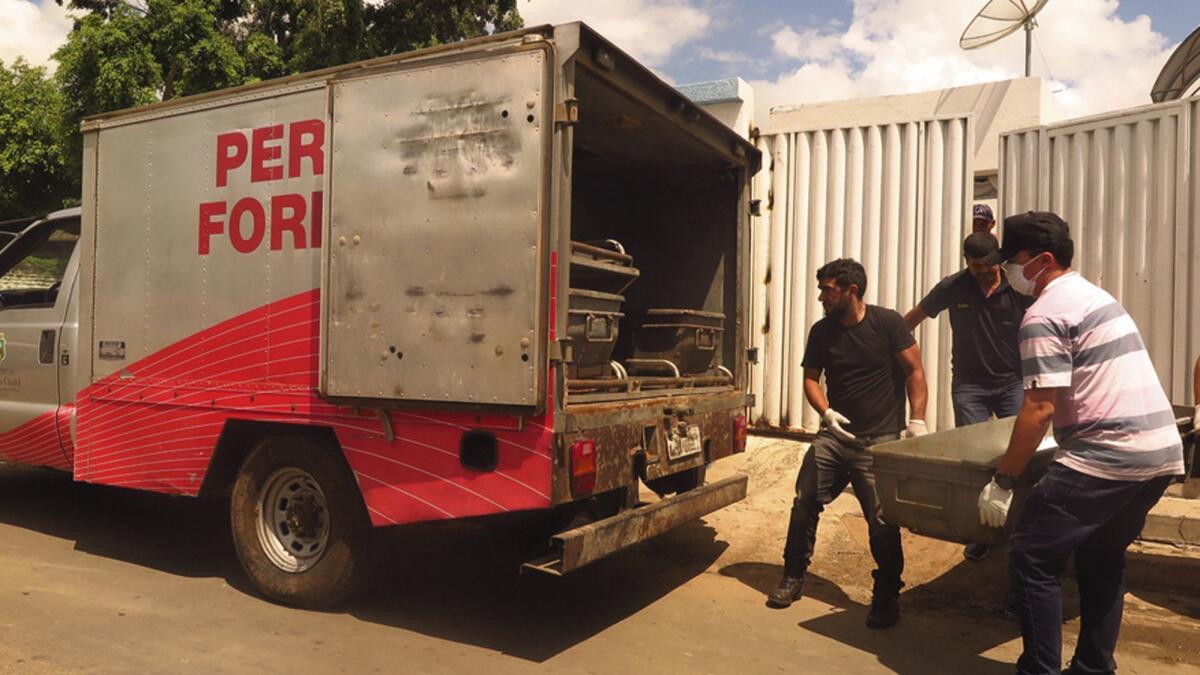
(392, 292)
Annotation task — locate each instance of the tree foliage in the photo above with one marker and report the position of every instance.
(33, 175)
(124, 53)
(401, 25)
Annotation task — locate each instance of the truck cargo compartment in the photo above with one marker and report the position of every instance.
(675, 205)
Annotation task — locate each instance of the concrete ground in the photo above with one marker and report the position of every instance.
(102, 580)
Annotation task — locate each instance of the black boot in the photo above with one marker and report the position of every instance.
(786, 592)
(885, 612)
(885, 603)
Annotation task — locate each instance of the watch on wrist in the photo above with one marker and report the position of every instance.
(1004, 480)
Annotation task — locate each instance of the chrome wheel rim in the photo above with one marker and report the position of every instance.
(293, 520)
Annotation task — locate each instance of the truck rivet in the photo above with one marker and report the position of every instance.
(341, 241)
(499, 350)
(524, 343)
(357, 239)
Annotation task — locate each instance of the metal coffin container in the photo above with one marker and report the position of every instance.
(687, 338)
(593, 323)
(931, 484)
(602, 266)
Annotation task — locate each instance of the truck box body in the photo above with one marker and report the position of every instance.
(380, 253)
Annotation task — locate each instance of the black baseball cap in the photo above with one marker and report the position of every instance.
(1033, 231)
(980, 245)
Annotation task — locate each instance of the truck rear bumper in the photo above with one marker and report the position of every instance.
(578, 547)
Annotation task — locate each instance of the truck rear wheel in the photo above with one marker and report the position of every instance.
(299, 524)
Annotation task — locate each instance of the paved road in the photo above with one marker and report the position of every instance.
(104, 580)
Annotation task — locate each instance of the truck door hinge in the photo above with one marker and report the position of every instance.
(567, 113)
(752, 355)
(560, 350)
(756, 207)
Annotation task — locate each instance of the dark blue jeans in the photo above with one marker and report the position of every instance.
(1096, 519)
(828, 467)
(975, 403)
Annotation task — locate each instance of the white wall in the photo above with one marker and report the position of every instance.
(995, 107)
(730, 101)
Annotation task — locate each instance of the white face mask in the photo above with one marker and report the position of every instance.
(1016, 277)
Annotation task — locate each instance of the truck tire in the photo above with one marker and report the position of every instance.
(300, 527)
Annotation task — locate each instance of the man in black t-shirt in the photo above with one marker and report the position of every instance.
(985, 314)
(869, 360)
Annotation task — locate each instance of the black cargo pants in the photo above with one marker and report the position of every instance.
(828, 467)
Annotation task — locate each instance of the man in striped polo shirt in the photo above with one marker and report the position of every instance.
(1084, 368)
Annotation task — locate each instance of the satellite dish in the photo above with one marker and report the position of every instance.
(1181, 71)
(999, 19)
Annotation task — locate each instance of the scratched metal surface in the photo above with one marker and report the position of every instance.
(436, 186)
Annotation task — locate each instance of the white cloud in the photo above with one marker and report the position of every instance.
(722, 56)
(1098, 61)
(650, 30)
(806, 45)
(33, 30)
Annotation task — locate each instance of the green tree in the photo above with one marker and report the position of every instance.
(33, 175)
(263, 56)
(106, 64)
(193, 54)
(331, 32)
(396, 26)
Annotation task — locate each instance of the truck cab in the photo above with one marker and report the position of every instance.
(38, 323)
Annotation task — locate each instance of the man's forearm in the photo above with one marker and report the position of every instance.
(1028, 431)
(914, 318)
(918, 394)
(816, 396)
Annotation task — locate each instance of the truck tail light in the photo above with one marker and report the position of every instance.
(583, 467)
(739, 433)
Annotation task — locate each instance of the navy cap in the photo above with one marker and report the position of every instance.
(1034, 231)
(982, 212)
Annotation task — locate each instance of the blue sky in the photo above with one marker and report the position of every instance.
(1095, 55)
(741, 27)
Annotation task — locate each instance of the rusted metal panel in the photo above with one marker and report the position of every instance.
(587, 544)
(450, 175)
(631, 440)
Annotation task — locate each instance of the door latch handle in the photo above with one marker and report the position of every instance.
(46, 346)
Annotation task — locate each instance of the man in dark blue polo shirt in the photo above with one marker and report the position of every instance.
(985, 315)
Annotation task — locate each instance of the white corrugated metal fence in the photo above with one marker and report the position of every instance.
(894, 196)
(1126, 182)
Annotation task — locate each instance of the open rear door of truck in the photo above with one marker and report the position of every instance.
(434, 284)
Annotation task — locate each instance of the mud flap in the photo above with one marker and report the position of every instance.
(578, 547)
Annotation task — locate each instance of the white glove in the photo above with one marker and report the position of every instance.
(834, 421)
(1196, 419)
(993, 504)
(915, 428)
